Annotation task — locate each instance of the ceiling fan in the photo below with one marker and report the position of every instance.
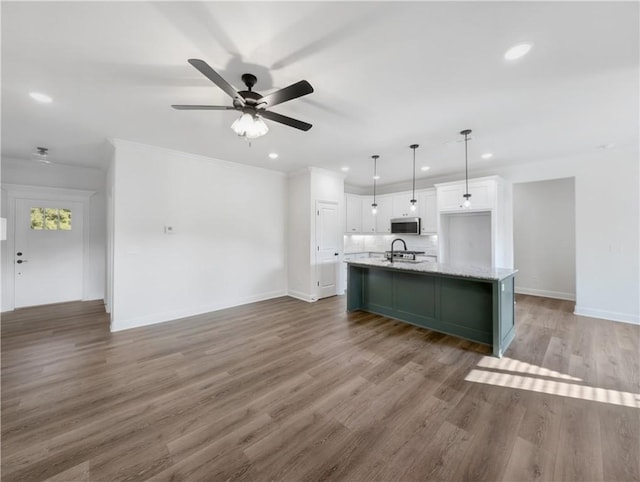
(41, 155)
(252, 105)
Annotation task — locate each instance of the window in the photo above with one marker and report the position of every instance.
(51, 219)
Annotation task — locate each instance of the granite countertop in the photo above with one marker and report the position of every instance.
(477, 272)
(363, 252)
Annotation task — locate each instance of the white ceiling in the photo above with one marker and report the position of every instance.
(386, 75)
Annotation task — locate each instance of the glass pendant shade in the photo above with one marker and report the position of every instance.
(249, 126)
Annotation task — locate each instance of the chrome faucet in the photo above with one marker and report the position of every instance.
(393, 242)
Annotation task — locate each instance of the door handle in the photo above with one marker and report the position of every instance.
(335, 254)
(20, 261)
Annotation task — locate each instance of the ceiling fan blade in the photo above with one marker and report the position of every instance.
(283, 119)
(203, 107)
(215, 77)
(292, 92)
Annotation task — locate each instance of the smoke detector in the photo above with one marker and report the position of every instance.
(41, 155)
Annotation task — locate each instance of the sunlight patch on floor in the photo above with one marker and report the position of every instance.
(551, 387)
(511, 365)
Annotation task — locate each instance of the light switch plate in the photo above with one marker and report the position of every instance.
(169, 230)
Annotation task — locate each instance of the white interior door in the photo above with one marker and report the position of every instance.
(327, 252)
(48, 256)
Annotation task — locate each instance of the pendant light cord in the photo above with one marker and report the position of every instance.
(466, 133)
(466, 164)
(414, 173)
(375, 173)
(413, 198)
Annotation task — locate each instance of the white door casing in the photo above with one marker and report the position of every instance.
(45, 197)
(327, 248)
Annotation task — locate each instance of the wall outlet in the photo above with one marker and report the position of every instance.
(169, 230)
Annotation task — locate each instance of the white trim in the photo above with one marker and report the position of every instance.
(299, 295)
(559, 295)
(20, 191)
(154, 318)
(607, 315)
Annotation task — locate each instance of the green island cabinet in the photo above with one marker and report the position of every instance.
(472, 303)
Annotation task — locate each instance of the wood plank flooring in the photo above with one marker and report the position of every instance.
(286, 390)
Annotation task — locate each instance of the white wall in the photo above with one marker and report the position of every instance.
(25, 172)
(544, 238)
(229, 245)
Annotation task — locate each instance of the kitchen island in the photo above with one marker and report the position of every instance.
(469, 302)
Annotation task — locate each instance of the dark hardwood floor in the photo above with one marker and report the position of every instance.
(286, 390)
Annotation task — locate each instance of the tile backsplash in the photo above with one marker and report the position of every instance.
(382, 242)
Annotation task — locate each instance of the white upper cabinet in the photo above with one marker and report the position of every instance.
(402, 206)
(368, 218)
(383, 218)
(353, 217)
(482, 190)
(428, 211)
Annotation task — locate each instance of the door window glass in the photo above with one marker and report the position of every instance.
(51, 219)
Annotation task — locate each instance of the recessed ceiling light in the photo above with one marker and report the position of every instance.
(345, 168)
(517, 51)
(273, 155)
(487, 155)
(376, 177)
(40, 97)
(425, 168)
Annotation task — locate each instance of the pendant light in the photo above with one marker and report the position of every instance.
(374, 206)
(466, 195)
(413, 198)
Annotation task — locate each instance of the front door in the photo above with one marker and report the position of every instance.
(48, 257)
(327, 248)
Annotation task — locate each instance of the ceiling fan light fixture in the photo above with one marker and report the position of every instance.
(41, 155)
(257, 129)
(249, 126)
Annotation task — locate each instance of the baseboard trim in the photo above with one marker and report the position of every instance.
(120, 325)
(559, 295)
(607, 315)
(299, 295)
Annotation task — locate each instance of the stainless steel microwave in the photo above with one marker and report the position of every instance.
(405, 226)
